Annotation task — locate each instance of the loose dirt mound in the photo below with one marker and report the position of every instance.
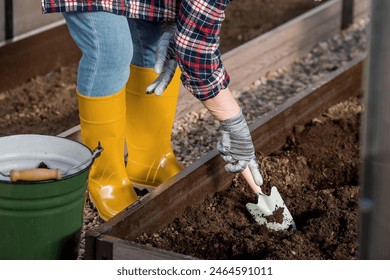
(316, 173)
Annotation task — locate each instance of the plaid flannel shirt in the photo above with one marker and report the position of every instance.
(196, 39)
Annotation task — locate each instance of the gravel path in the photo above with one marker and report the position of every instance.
(197, 133)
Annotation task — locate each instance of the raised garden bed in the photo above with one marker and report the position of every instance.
(320, 192)
(317, 173)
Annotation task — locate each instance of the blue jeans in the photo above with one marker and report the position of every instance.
(109, 43)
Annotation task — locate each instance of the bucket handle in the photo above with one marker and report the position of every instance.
(42, 174)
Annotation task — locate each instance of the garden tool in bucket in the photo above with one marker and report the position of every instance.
(41, 209)
(269, 210)
(43, 172)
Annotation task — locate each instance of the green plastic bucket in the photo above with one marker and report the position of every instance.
(42, 220)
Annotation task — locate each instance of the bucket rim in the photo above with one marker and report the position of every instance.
(66, 177)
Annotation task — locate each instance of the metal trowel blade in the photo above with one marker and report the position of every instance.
(265, 208)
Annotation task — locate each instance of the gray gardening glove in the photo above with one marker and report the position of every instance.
(165, 60)
(236, 147)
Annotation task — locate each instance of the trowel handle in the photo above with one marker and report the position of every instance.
(247, 174)
(36, 174)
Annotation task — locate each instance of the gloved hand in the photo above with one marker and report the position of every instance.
(236, 147)
(165, 60)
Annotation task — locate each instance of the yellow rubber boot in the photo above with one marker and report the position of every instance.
(104, 119)
(150, 118)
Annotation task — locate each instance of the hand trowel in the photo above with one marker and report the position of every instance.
(269, 210)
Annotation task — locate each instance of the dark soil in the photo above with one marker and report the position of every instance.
(247, 19)
(316, 174)
(48, 105)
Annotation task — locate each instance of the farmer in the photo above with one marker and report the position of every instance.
(128, 85)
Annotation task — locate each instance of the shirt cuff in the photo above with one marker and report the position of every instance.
(207, 88)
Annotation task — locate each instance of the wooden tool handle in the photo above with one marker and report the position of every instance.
(36, 174)
(247, 174)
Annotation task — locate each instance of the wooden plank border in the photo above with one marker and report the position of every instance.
(361, 8)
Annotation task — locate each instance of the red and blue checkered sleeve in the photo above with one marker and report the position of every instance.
(197, 47)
